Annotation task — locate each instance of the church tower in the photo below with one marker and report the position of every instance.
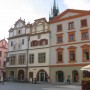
(54, 11)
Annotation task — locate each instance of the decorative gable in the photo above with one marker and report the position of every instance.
(69, 13)
(40, 25)
(19, 23)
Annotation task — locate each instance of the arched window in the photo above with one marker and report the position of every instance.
(75, 76)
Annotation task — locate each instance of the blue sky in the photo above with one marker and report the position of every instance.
(12, 10)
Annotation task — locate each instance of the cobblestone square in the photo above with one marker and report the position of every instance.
(28, 86)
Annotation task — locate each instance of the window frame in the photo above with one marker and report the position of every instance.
(41, 57)
(61, 36)
(71, 25)
(84, 22)
(31, 58)
(72, 49)
(21, 59)
(59, 27)
(85, 47)
(69, 34)
(59, 50)
(84, 31)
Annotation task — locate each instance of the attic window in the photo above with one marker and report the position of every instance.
(18, 31)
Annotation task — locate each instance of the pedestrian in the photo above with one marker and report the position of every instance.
(68, 79)
(2, 82)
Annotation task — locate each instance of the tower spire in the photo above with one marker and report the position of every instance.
(54, 10)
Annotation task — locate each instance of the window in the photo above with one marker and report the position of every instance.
(11, 43)
(59, 38)
(83, 22)
(43, 42)
(85, 53)
(19, 32)
(41, 57)
(84, 34)
(21, 59)
(59, 55)
(22, 41)
(34, 43)
(59, 28)
(71, 25)
(0, 53)
(71, 36)
(72, 54)
(31, 58)
(12, 60)
(30, 74)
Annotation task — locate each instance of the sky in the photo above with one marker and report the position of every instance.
(12, 10)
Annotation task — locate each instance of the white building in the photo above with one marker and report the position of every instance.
(18, 43)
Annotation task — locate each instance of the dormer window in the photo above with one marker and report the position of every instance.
(18, 31)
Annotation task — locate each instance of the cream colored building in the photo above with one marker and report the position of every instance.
(70, 45)
(39, 50)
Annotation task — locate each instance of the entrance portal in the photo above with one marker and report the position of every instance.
(21, 75)
(42, 76)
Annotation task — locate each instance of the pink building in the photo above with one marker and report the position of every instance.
(3, 51)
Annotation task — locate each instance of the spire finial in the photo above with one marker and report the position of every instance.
(54, 9)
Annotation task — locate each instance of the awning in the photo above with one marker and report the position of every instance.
(86, 68)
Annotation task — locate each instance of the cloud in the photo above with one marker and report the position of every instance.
(78, 4)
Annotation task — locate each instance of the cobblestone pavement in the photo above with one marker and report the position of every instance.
(28, 86)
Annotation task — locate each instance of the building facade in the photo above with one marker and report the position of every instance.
(50, 50)
(3, 51)
(28, 51)
(70, 45)
(39, 50)
(18, 50)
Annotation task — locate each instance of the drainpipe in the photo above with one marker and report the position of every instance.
(27, 60)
